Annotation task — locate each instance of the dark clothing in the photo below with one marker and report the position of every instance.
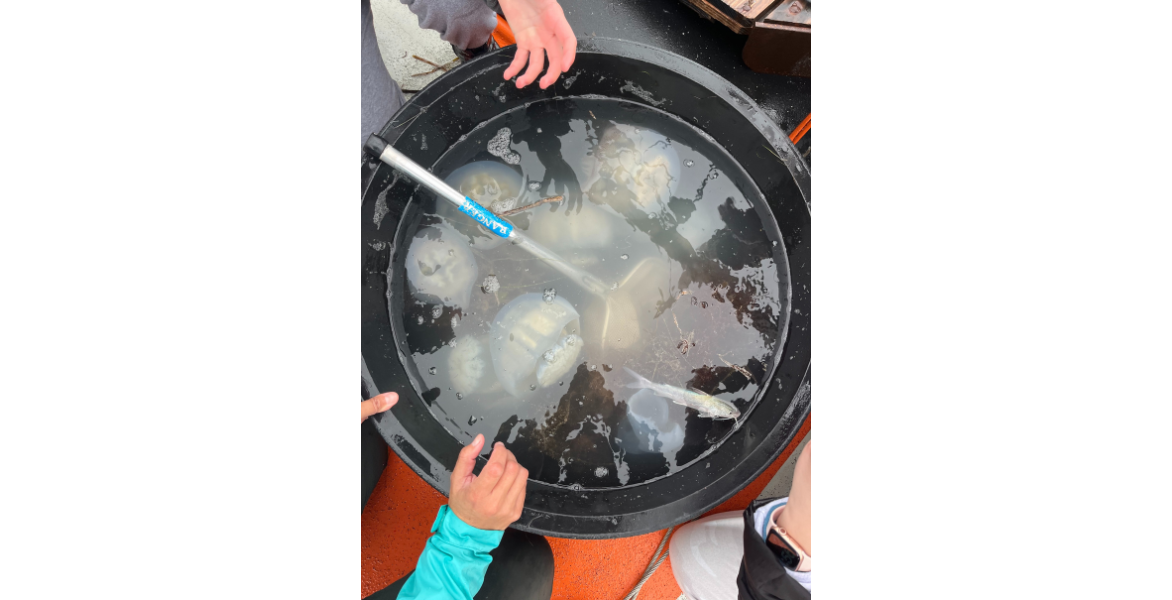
(521, 569)
(381, 96)
(374, 457)
(762, 575)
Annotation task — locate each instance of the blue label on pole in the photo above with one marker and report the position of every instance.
(490, 221)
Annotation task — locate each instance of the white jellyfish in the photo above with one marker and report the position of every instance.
(660, 419)
(495, 186)
(440, 266)
(618, 322)
(534, 342)
(638, 160)
(469, 367)
(656, 177)
(592, 228)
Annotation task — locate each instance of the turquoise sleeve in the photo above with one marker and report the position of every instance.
(453, 563)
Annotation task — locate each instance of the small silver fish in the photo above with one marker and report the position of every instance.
(707, 406)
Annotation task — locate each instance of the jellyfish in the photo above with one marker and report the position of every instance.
(469, 366)
(656, 422)
(592, 228)
(640, 161)
(440, 266)
(616, 140)
(655, 178)
(534, 342)
(494, 186)
(619, 321)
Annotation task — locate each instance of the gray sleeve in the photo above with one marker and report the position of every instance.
(381, 96)
(462, 23)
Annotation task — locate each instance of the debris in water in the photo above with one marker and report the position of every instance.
(550, 294)
(738, 369)
(436, 311)
(689, 162)
(380, 211)
(625, 256)
(472, 420)
(601, 472)
(641, 93)
(490, 285)
(433, 370)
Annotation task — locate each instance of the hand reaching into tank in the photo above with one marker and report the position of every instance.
(540, 28)
(378, 404)
(495, 498)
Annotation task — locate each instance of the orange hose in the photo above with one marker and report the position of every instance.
(503, 34)
(801, 130)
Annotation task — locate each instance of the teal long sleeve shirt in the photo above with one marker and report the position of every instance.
(454, 561)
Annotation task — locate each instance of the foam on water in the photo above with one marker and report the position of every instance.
(499, 146)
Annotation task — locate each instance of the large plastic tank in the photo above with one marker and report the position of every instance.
(436, 119)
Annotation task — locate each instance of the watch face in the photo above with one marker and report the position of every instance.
(783, 552)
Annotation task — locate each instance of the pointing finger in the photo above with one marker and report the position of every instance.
(467, 460)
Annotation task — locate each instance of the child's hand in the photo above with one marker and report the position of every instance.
(541, 28)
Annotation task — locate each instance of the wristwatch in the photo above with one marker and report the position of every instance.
(786, 549)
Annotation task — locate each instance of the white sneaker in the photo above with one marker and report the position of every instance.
(706, 556)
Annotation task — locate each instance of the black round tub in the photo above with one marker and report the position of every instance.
(436, 119)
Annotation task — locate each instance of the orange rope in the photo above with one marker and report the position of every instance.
(503, 34)
(801, 130)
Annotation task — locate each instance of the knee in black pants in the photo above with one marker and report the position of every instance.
(521, 569)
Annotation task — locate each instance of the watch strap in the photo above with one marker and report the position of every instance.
(780, 538)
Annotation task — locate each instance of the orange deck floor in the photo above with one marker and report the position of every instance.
(398, 516)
